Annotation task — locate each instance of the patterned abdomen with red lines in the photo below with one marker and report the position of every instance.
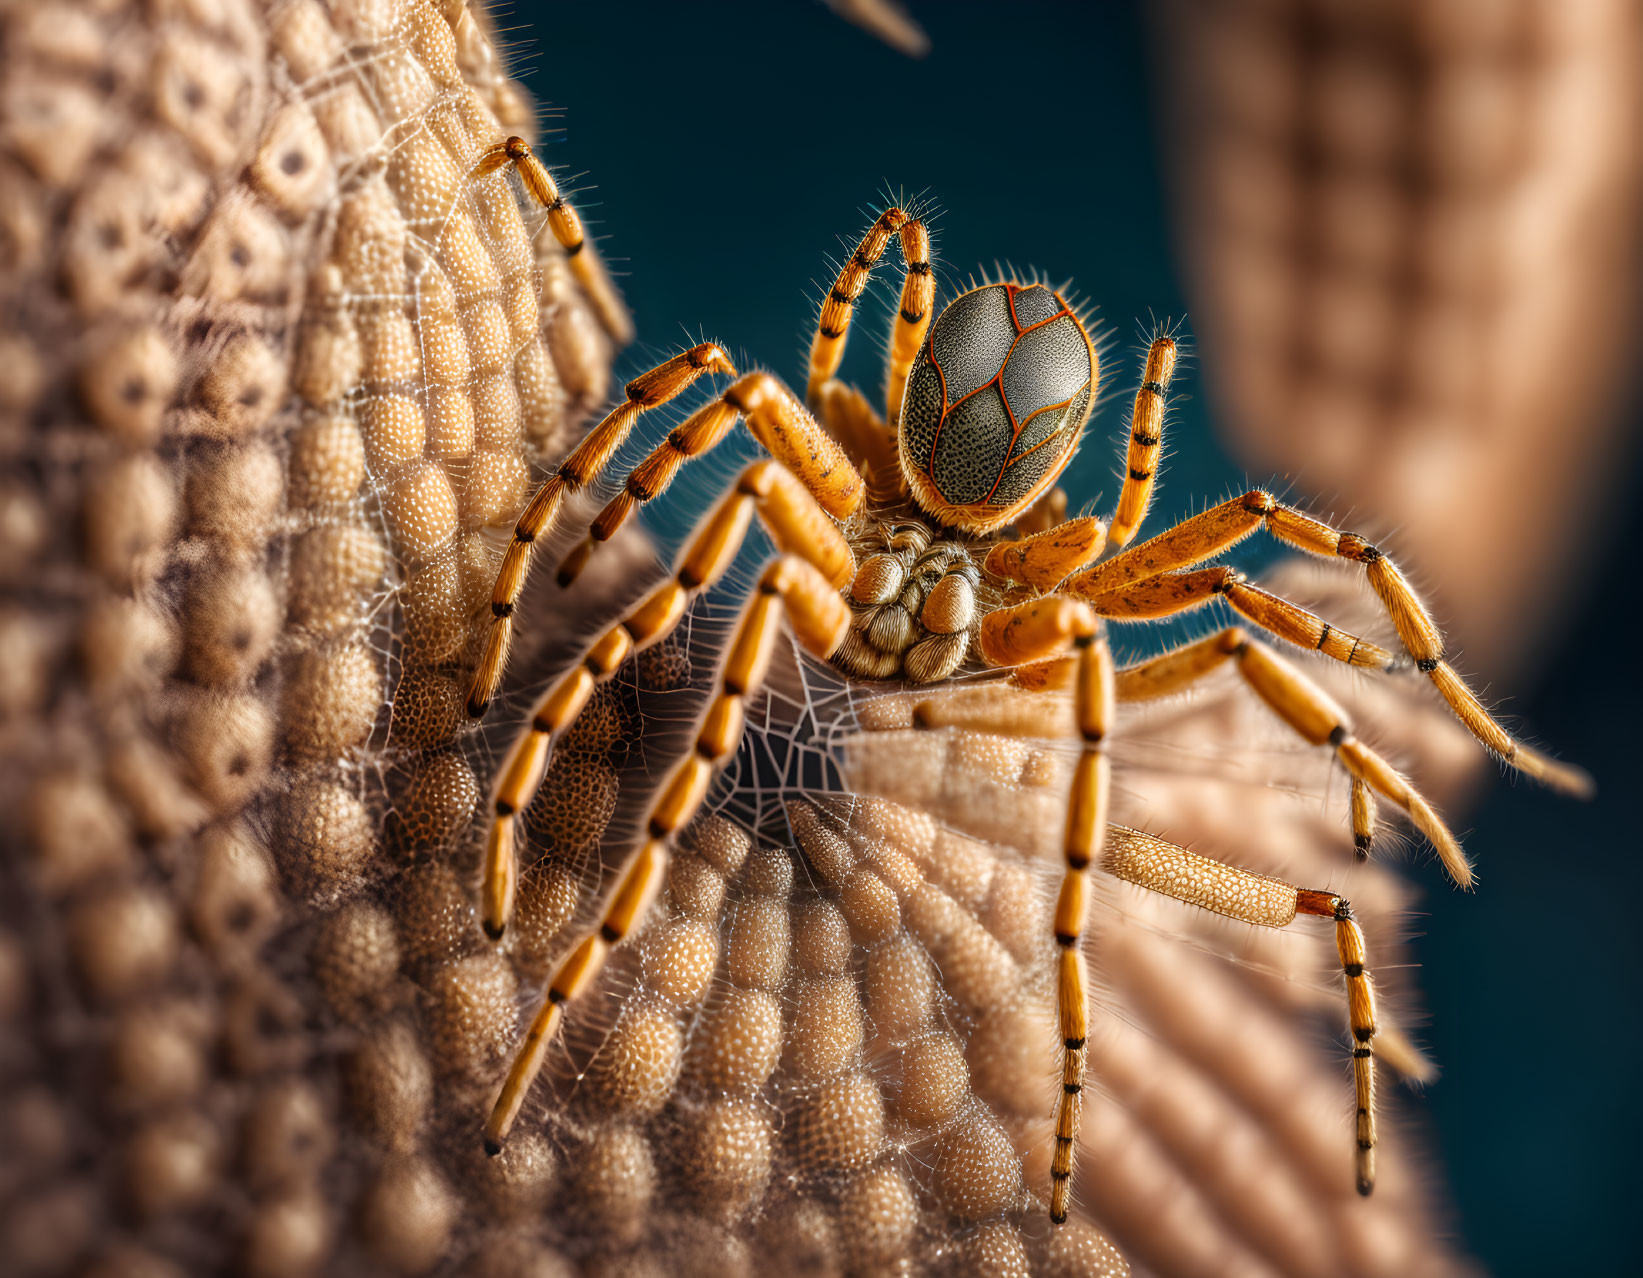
(996, 401)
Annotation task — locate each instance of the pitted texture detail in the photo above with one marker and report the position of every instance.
(272, 366)
(996, 394)
(977, 429)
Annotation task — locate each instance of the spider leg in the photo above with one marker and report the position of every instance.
(1313, 716)
(1146, 442)
(1044, 514)
(1173, 593)
(1026, 632)
(1118, 583)
(1038, 631)
(1364, 818)
(918, 293)
(581, 468)
(566, 226)
(1085, 834)
(774, 417)
(866, 439)
(789, 586)
(1151, 863)
(1044, 559)
(1142, 859)
(797, 525)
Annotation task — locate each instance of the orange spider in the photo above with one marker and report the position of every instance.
(895, 562)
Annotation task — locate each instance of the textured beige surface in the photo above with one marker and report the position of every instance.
(272, 365)
(1409, 233)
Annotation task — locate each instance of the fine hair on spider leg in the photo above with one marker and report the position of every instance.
(796, 525)
(1151, 863)
(775, 420)
(1143, 860)
(790, 587)
(1153, 579)
(912, 319)
(782, 426)
(579, 469)
(1146, 444)
(1313, 716)
(566, 226)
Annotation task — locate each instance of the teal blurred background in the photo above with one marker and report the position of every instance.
(724, 152)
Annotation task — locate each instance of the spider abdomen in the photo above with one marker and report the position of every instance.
(995, 403)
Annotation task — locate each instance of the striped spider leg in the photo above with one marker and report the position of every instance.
(773, 415)
(918, 292)
(800, 585)
(566, 226)
(1150, 581)
(1156, 579)
(1039, 630)
(797, 525)
(1312, 715)
(1150, 862)
(844, 413)
(576, 472)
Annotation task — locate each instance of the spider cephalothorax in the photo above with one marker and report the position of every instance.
(912, 542)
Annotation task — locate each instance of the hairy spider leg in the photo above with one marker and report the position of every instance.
(865, 438)
(790, 586)
(1363, 818)
(1173, 593)
(580, 469)
(1149, 862)
(1312, 715)
(1044, 559)
(918, 293)
(1032, 631)
(1107, 586)
(1038, 630)
(1146, 442)
(566, 226)
(1082, 843)
(796, 524)
(774, 417)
